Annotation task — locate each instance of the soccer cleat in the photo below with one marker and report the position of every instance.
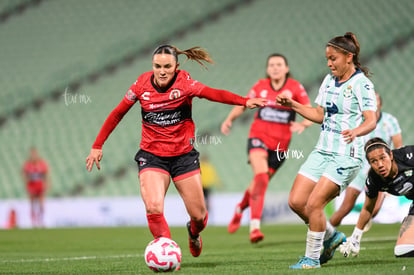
(330, 245)
(235, 222)
(306, 263)
(256, 236)
(195, 242)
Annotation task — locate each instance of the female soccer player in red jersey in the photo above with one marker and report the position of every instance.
(168, 134)
(269, 137)
(36, 176)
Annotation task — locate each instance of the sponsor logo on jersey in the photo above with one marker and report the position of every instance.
(348, 92)
(409, 155)
(331, 108)
(408, 173)
(405, 188)
(174, 94)
(145, 96)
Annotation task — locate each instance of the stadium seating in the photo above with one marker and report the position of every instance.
(67, 42)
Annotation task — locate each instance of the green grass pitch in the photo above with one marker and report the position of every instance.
(120, 251)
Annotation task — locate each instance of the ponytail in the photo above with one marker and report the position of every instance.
(197, 54)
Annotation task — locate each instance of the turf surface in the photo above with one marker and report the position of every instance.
(120, 251)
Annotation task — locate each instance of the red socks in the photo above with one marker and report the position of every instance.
(196, 228)
(158, 225)
(245, 201)
(258, 194)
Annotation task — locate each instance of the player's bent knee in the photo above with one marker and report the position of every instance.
(404, 250)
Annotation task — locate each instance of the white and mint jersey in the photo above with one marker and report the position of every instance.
(343, 104)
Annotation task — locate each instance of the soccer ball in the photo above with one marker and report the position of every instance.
(162, 255)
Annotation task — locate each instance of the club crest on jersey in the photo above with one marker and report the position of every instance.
(348, 92)
(408, 173)
(175, 94)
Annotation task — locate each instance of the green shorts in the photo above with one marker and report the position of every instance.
(337, 168)
(359, 182)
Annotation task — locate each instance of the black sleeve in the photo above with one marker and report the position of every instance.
(407, 155)
(371, 186)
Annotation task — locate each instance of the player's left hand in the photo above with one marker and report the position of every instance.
(349, 135)
(297, 127)
(256, 102)
(350, 248)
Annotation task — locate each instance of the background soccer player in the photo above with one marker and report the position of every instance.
(391, 172)
(389, 130)
(36, 176)
(269, 137)
(346, 109)
(168, 133)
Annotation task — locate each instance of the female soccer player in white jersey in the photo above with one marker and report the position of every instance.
(346, 108)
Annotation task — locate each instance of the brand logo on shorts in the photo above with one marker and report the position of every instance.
(142, 161)
(175, 94)
(408, 173)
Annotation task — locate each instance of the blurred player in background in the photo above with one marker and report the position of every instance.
(209, 178)
(35, 174)
(391, 172)
(269, 137)
(389, 130)
(346, 108)
(166, 148)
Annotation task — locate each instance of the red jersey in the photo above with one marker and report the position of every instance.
(272, 122)
(167, 125)
(35, 171)
(36, 175)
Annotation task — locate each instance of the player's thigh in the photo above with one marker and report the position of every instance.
(191, 191)
(258, 159)
(301, 189)
(324, 191)
(153, 186)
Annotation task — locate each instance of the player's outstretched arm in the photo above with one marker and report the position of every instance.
(233, 115)
(352, 245)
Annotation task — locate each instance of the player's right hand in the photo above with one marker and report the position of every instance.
(225, 127)
(350, 248)
(256, 103)
(95, 156)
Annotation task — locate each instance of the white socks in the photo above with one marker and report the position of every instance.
(314, 244)
(330, 230)
(254, 224)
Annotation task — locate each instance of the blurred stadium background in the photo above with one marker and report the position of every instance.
(66, 64)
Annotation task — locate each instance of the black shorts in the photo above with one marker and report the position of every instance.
(178, 167)
(275, 158)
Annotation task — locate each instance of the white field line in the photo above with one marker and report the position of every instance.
(79, 258)
(83, 258)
